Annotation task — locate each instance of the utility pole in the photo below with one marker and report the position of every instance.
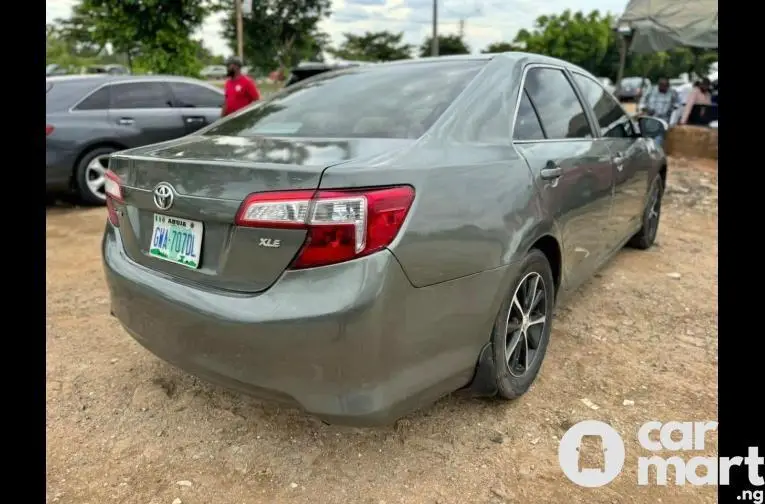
(434, 41)
(462, 28)
(239, 30)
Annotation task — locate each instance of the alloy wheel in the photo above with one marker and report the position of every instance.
(526, 322)
(95, 174)
(654, 210)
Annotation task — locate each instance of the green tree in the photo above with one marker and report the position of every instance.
(280, 32)
(63, 52)
(500, 47)
(447, 46)
(155, 35)
(373, 46)
(587, 40)
(204, 56)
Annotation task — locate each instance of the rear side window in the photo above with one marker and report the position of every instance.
(527, 125)
(140, 95)
(559, 109)
(191, 95)
(99, 100)
(400, 101)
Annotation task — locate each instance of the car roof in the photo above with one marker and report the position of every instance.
(104, 78)
(510, 56)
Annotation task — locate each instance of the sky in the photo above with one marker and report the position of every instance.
(485, 21)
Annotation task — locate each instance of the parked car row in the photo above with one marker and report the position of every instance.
(112, 69)
(89, 117)
(218, 72)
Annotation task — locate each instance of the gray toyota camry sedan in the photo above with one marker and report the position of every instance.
(371, 239)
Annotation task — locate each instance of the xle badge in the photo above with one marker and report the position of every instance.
(270, 243)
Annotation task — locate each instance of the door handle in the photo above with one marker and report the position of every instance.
(551, 171)
(125, 121)
(193, 120)
(618, 160)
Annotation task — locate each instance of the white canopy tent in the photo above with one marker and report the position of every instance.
(660, 25)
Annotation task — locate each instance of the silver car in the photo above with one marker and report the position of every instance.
(89, 117)
(371, 239)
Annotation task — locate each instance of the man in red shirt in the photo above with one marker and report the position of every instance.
(240, 90)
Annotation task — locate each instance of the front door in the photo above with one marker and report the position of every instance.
(573, 169)
(143, 113)
(630, 155)
(199, 105)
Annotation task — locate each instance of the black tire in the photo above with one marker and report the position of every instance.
(510, 382)
(645, 238)
(82, 174)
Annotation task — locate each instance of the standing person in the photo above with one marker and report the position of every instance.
(699, 96)
(240, 90)
(659, 102)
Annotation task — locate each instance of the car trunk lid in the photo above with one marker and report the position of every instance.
(207, 178)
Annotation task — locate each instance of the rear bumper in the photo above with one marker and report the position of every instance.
(59, 166)
(352, 343)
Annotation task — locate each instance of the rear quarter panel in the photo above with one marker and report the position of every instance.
(476, 207)
(75, 130)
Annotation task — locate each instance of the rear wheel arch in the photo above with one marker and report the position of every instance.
(91, 147)
(550, 247)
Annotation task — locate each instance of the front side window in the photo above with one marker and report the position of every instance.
(399, 101)
(139, 95)
(612, 120)
(192, 95)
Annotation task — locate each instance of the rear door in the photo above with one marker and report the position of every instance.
(572, 167)
(143, 111)
(631, 159)
(199, 105)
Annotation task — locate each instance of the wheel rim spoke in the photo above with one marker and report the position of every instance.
(534, 336)
(538, 297)
(512, 346)
(531, 289)
(538, 320)
(526, 321)
(96, 185)
(517, 305)
(95, 175)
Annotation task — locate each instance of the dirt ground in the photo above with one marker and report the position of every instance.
(123, 427)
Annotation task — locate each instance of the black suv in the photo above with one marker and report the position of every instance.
(309, 69)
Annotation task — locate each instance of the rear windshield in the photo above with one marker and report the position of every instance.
(400, 101)
(61, 95)
(632, 81)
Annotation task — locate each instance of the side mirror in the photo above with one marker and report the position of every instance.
(651, 127)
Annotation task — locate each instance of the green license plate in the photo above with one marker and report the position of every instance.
(177, 240)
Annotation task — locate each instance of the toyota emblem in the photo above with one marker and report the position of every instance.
(163, 196)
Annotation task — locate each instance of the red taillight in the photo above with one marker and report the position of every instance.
(341, 224)
(113, 189)
(49, 129)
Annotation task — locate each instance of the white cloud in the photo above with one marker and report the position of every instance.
(485, 21)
